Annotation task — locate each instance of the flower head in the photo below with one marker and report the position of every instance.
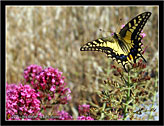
(22, 101)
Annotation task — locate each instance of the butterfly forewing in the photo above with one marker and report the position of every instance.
(100, 44)
(135, 26)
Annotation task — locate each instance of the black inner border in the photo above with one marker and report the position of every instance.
(84, 2)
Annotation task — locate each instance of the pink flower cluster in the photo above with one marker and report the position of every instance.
(84, 111)
(62, 115)
(31, 72)
(49, 91)
(49, 82)
(85, 118)
(22, 103)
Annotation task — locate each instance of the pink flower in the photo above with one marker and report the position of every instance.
(56, 71)
(62, 115)
(61, 81)
(52, 88)
(89, 118)
(49, 98)
(30, 111)
(31, 72)
(122, 26)
(84, 118)
(53, 80)
(143, 35)
(22, 101)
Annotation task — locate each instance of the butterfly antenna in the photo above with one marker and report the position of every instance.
(119, 24)
(106, 32)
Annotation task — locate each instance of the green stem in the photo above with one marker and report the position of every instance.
(102, 113)
(127, 98)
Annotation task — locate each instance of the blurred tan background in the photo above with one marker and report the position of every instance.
(53, 35)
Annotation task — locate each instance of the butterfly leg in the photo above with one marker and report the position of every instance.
(124, 67)
(143, 58)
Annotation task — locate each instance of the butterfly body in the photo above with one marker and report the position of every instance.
(125, 46)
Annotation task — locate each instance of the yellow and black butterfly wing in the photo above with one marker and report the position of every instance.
(134, 27)
(101, 44)
(124, 46)
(129, 39)
(130, 33)
(108, 45)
